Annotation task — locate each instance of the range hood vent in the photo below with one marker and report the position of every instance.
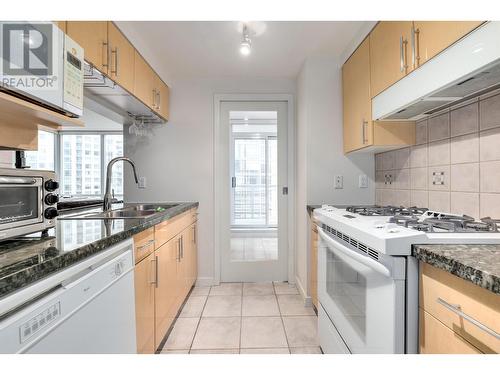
(105, 91)
(469, 68)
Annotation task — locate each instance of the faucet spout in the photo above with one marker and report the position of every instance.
(107, 195)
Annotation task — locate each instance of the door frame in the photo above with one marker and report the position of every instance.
(220, 176)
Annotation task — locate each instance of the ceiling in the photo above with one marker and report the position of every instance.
(210, 49)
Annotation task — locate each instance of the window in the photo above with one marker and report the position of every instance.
(44, 158)
(84, 161)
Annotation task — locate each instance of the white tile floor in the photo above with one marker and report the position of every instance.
(244, 318)
(254, 248)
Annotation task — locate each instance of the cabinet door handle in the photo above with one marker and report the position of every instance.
(413, 48)
(182, 247)
(363, 130)
(456, 309)
(146, 245)
(154, 98)
(417, 45)
(194, 234)
(159, 100)
(105, 60)
(155, 268)
(179, 250)
(401, 55)
(115, 52)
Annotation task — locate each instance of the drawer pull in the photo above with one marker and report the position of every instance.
(146, 245)
(456, 310)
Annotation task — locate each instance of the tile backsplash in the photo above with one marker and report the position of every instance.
(454, 165)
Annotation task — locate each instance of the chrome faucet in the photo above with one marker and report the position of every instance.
(107, 196)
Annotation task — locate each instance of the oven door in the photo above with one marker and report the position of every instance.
(20, 201)
(362, 299)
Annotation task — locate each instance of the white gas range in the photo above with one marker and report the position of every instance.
(368, 279)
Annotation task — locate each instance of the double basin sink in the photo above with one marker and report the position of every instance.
(137, 211)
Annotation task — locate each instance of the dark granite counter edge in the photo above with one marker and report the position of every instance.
(457, 268)
(38, 272)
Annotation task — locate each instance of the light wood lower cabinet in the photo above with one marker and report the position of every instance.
(167, 288)
(144, 276)
(444, 297)
(165, 271)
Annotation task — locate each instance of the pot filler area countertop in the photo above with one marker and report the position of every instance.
(28, 259)
(479, 264)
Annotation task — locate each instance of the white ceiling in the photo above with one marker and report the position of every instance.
(211, 49)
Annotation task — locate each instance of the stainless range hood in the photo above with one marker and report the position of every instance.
(468, 68)
(106, 92)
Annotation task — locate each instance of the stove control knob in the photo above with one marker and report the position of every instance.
(50, 213)
(51, 199)
(51, 185)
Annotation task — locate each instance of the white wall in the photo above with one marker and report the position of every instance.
(319, 152)
(178, 161)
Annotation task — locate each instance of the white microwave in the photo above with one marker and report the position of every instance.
(42, 64)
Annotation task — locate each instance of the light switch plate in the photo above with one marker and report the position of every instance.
(363, 181)
(339, 182)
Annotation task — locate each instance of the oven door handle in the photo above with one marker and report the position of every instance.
(17, 180)
(350, 255)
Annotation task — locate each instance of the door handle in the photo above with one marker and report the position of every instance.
(401, 56)
(194, 234)
(364, 125)
(233, 182)
(155, 279)
(178, 250)
(182, 247)
(413, 49)
(158, 94)
(154, 98)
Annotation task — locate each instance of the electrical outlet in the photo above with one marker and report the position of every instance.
(142, 182)
(339, 182)
(363, 181)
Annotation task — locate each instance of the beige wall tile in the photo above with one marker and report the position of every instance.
(489, 144)
(420, 198)
(464, 149)
(439, 152)
(421, 132)
(465, 204)
(489, 205)
(402, 158)
(402, 198)
(490, 176)
(439, 127)
(445, 178)
(439, 201)
(418, 178)
(402, 179)
(418, 156)
(380, 180)
(489, 112)
(464, 120)
(388, 160)
(464, 177)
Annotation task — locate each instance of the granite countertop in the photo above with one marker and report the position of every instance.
(479, 264)
(27, 259)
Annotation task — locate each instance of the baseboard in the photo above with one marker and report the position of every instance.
(206, 281)
(307, 299)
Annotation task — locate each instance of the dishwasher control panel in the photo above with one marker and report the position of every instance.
(38, 322)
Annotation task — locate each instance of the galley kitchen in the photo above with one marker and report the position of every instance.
(188, 188)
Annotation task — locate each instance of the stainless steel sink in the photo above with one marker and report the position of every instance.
(150, 207)
(122, 214)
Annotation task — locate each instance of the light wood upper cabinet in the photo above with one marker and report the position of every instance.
(122, 53)
(432, 37)
(390, 44)
(145, 81)
(61, 25)
(93, 37)
(357, 99)
(144, 274)
(163, 95)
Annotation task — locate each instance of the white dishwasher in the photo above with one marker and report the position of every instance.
(91, 311)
